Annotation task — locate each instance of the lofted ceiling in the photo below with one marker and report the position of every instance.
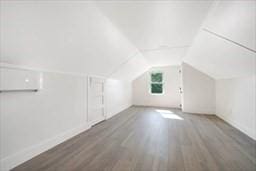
(225, 46)
(161, 30)
(71, 37)
(122, 39)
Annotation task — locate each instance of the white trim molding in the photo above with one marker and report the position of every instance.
(239, 126)
(20, 157)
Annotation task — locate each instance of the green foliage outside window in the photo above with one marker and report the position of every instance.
(157, 77)
(156, 83)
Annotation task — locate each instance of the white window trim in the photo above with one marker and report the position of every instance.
(150, 82)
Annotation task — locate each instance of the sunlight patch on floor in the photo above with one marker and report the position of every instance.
(167, 114)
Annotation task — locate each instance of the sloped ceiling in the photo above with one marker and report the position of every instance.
(161, 30)
(111, 39)
(131, 68)
(122, 39)
(63, 36)
(225, 46)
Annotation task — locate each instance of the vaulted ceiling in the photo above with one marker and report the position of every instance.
(122, 39)
(225, 46)
(162, 31)
(62, 36)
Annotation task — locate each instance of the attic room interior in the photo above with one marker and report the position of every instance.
(128, 85)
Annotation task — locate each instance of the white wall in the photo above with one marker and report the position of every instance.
(235, 103)
(33, 122)
(171, 96)
(198, 91)
(118, 96)
(62, 39)
(232, 65)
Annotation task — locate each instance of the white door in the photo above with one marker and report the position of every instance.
(96, 104)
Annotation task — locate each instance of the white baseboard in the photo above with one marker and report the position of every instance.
(20, 157)
(156, 106)
(205, 112)
(198, 112)
(240, 127)
(94, 122)
(110, 115)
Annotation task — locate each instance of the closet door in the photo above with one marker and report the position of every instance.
(96, 104)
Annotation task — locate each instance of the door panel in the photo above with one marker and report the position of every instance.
(96, 106)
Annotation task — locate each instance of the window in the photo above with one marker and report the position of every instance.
(156, 83)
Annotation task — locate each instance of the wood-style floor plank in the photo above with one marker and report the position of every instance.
(147, 138)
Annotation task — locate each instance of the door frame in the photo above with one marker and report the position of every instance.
(89, 81)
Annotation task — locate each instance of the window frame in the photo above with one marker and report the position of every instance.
(150, 83)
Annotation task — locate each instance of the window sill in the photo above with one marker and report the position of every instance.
(155, 94)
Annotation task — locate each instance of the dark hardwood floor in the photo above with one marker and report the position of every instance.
(145, 139)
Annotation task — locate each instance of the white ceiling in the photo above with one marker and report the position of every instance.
(220, 59)
(226, 54)
(122, 39)
(235, 20)
(165, 56)
(62, 36)
(132, 68)
(163, 30)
